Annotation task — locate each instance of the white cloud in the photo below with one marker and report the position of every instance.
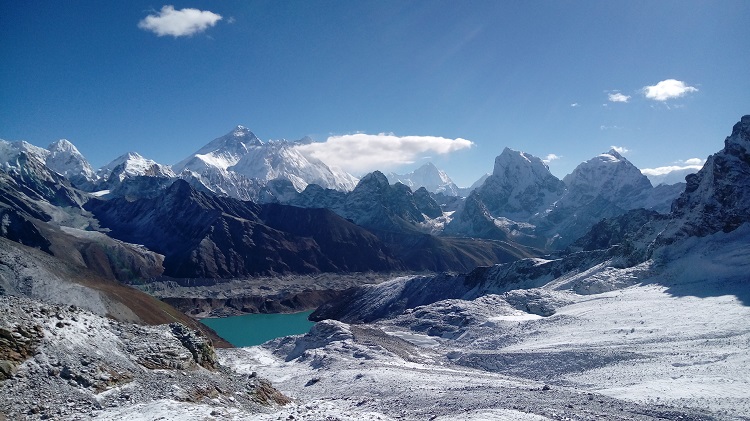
(620, 149)
(360, 153)
(550, 157)
(618, 97)
(668, 89)
(575, 104)
(603, 127)
(178, 23)
(688, 164)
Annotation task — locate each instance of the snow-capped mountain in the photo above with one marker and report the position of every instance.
(239, 164)
(65, 159)
(608, 175)
(428, 176)
(670, 178)
(222, 152)
(131, 165)
(524, 202)
(60, 156)
(605, 186)
(520, 186)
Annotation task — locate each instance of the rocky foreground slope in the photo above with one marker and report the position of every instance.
(61, 362)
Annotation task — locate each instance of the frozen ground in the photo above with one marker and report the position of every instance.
(666, 339)
(653, 341)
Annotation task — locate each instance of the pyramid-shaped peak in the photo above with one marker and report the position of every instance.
(62, 145)
(242, 131)
(613, 152)
(375, 177)
(240, 137)
(510, 158)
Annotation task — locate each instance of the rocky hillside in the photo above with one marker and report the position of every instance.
(61, 362)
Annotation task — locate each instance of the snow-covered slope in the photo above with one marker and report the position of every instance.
(664, 339)
(65, 159)
(222, 152)
(428, 176)
(657, 323)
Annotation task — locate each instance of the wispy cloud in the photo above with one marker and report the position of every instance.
(551, 157)
(618, 97)
(359, 153)
(688, 164)
(179, 23)
(575, 104)
(620, 149)
(604, 127)
(668, 89)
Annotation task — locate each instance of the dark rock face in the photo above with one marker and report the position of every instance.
(717, 198)
(609, 232)
(349, 247)
(206, 236)
(426, 203)
(374, 203)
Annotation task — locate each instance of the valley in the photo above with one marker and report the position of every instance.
(531, 298)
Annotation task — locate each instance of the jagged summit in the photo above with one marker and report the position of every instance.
(376, 179)
(428, 176)
(132, 164)
(520, 184)
(520, 168)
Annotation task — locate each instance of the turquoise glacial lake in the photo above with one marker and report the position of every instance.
(254, 329)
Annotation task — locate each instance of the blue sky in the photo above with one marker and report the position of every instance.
(541, 77)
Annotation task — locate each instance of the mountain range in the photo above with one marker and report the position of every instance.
(197, 215)
(641, 317)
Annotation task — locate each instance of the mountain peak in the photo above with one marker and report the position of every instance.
(428, 176)
(243, 132)
(512, 160)
(718, 196)
(376, 178)
(740, 136)
(63, 145)
(234, 142)
(614, 153)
